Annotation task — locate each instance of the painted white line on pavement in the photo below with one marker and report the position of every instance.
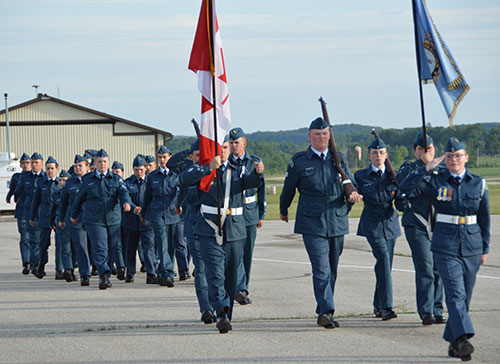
(353, 266)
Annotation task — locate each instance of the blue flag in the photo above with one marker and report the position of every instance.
(437, 63)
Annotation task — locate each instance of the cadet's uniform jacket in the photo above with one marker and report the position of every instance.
(25, 190)
(14, 182)
(322, 209)
(136, 190)
(254, 199)
(234, 227)
(416, 209)
(189, 196)
(101, 199)
(159, 197)
(379, 219)
(462, 210)
(68, 195)
(42, 201)
(55, 207)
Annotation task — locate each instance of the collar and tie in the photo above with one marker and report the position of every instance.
(458, 179)
(239, 161)
(322, 156)
(379, 173)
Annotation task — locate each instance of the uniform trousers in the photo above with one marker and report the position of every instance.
(34, 235)
(24, 244)
(383, 251)
(141, 253)
(104, 241)
(221, 263)
(64, 243)
(245, 265)
(146, 237)
(164, 240)
(44, 245)
(459, 276)
(200, 279)
(78, 237)
(324, 254)
(117, 256)
(428, 283)
(181, 248)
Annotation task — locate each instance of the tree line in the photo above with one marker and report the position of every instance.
(276, 148)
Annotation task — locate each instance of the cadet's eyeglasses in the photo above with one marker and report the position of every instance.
(377, 152)
(455, 156)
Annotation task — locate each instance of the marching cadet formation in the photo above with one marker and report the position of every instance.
(159, 212)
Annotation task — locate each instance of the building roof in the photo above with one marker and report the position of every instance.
(95, 116)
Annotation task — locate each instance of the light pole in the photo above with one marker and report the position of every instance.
(36, 89)
(7, 125)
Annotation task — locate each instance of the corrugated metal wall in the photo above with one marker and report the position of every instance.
(47, 110)
(64, 141)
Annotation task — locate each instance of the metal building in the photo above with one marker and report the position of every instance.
(55, 127)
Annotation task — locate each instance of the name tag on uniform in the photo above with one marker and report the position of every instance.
(445, 193)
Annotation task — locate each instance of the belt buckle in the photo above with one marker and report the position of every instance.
(462, 220)
(228, 211)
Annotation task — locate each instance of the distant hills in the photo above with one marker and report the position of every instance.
(276, 147)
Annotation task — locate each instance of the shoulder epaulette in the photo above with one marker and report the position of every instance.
(255, 158)
(298, 154)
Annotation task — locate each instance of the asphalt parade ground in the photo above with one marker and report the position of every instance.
(49, 321)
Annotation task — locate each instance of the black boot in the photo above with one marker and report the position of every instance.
(68, 275)
(104, 282)
(84, 281)
(151, 279)
(223, 323)
(40, 271)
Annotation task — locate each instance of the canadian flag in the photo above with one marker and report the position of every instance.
(207, 61)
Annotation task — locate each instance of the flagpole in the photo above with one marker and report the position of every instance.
(211, 33)
(417, 48)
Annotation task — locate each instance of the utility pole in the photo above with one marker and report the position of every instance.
(7, 125)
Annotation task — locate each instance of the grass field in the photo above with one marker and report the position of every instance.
(274, 214)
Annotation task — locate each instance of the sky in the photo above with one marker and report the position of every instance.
(129, 58)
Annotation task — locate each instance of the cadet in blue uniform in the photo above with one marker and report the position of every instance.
(135, 230)
(222, 254)
(321, 213)
(25, 163)
(159, 209)
(429, 286)
(254, 201)
(25, 191)
(461, 237)
(379, 223)
(40, 215)
(189, 200)
(100, 195)
(63, 242)
(77, 233)
(121, 255)
(152, 164)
